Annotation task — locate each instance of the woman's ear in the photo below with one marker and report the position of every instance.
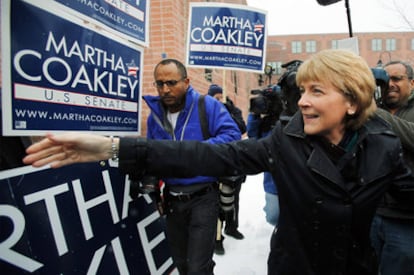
(351, 112)
(352, 108)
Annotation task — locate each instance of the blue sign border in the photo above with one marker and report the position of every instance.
(227, 36)
(78, 219)
(63, 107)
(128, 18)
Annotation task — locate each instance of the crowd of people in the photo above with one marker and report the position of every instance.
(338, 181)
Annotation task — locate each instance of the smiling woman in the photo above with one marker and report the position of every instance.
(332, 162)
(334, 99)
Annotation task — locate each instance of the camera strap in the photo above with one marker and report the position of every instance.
(203, 117)
(206, 134)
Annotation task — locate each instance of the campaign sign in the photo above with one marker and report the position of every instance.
(128, 17)
(78, 219)
(59, 75)
(226, 36)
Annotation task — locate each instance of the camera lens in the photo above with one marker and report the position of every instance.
(226, 197)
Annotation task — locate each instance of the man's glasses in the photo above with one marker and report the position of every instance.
(397, 78)
(170, 83)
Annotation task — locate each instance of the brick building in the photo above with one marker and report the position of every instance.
(384, 46)
(168, 37)
(168, 34)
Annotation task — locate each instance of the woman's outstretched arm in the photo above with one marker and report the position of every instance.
(69, 148)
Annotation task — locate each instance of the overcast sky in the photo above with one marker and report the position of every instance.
(308, 17)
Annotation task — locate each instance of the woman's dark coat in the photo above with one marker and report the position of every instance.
(325, 214)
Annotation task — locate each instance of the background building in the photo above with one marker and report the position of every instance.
(168, 38)
(380, 47)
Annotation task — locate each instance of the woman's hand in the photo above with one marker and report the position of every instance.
(69, 148)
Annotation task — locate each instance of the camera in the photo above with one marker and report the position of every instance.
(381, 79)
(227, 188)
(226, 197)
(267, 101)
(283, 96)
(290, 92)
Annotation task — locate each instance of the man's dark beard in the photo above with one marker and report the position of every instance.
(179, 105)
(391, 104)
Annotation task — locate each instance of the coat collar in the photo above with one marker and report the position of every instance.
(318, 161)
(375, 125)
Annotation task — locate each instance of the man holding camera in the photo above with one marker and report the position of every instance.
(264, 113)
(230, 186)
(392, 231)
(191, 205)
(266, 108)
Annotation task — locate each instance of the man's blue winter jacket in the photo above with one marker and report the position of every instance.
(222, 128)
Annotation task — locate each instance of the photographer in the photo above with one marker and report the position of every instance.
(229, 186)
(191, 204)
(271, 104)
(290, 93)
(264, 112)
(392, 231)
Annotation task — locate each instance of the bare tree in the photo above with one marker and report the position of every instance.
(400, 7)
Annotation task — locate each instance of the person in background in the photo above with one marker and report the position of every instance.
(260, 123)
(192, 203)
(230, 186)
(281, 104)
(392, 231)
(12, 148)
(333, 162)
(257, 127)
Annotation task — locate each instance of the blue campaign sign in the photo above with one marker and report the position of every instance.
(128, 17)
(227, 36)
(59, 75)
(78, 220)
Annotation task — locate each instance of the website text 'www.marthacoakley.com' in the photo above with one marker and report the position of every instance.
(93, 118)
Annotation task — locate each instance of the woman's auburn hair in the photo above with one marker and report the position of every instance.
(350, 74)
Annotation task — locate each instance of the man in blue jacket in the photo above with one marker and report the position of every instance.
(191, 204)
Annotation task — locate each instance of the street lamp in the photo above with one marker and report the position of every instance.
(268, 70)
(380, 63)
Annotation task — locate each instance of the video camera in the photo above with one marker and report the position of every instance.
(381, 79)
(274, 99)
(267, 101)
(290, 92)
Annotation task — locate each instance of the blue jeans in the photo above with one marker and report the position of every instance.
(393, 240)
(271, 208)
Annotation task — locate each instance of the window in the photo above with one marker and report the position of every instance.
(310, 46)
(334, 44)
(376, 45)
(412, 44)
(296, 47)
(390, 44)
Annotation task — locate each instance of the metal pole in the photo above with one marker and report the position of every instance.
(348, 13)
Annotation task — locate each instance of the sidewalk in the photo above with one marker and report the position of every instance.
(247, 256)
